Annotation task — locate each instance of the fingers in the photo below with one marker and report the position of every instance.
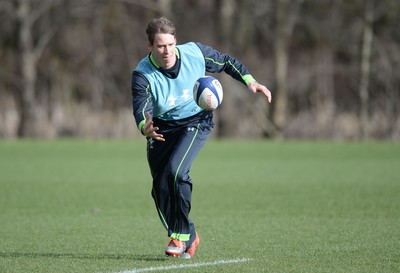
(151, 131)
(148, 117)
(267, 93)
(158, 137)
(256, 87)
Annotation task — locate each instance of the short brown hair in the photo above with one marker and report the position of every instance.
(159, 25)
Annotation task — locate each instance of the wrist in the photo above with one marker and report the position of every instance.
(248, 79)
(141, 127)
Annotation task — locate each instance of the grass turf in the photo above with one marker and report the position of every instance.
(85, 206)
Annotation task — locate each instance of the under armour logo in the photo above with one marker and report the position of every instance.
(191, 129)
(186, 94)
(174, 100)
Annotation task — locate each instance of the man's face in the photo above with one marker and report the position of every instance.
(163, 50)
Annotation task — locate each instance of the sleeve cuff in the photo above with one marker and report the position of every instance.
(140, 126)
(248, 79)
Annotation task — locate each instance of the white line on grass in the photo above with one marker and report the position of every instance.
(179, 266)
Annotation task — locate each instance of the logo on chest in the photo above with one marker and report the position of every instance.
(175, 100)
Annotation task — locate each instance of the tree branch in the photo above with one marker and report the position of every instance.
(42, 43)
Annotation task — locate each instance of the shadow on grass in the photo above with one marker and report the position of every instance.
(128, 257)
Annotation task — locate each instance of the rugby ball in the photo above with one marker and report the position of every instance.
(208, 93)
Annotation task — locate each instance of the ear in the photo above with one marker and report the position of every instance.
(149, 44)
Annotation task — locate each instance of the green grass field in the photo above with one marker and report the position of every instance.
(85, 206)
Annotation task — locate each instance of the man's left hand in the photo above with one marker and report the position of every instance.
(256, 87)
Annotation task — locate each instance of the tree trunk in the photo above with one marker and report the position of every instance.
(280, 107)
(286, 17)
(365, 68)
(325, 88)
(325, 71)
(30, 49)
(28, 71)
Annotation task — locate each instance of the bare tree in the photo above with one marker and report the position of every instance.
(223, 19)
(286, 16)
(31, 50)
(325, 68)
(365, 67)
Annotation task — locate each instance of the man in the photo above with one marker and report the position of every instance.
(175, 127)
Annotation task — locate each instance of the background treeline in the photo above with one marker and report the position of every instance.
(332, 65)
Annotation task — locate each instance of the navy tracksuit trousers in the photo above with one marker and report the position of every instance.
(170, 163)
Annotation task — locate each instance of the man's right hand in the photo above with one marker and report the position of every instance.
(150, 131)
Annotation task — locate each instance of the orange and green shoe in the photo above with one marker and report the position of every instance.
(192, 249)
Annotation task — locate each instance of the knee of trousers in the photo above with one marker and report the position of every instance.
(180, 176)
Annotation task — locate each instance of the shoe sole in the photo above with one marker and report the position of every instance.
(173, 254)
(185, 256)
